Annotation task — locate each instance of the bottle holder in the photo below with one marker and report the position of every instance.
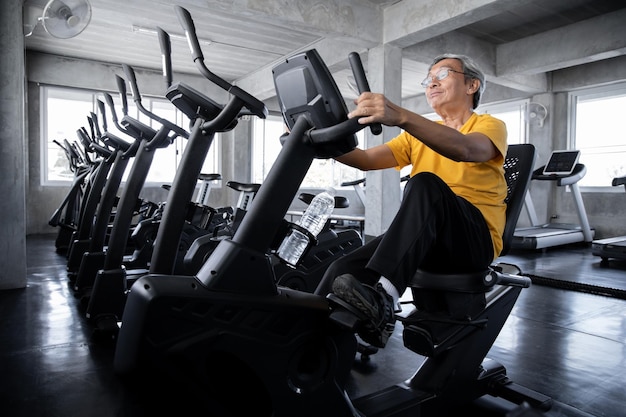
(312, 241)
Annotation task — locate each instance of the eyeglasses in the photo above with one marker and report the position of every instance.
(441, 74)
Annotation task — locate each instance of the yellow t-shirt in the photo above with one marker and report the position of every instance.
(480, 183)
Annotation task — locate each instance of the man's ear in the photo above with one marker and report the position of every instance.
(474, 85)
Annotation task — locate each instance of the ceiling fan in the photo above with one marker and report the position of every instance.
(61, 19)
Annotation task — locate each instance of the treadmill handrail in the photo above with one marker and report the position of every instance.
(580, 170)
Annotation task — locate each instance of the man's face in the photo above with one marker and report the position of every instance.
(446, 84)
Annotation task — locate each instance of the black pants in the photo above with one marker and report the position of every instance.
(434, 229)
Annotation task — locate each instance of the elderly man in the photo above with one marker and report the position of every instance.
(452, 215)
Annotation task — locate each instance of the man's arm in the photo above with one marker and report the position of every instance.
(378, 157)
(447, 141)
(471, 147)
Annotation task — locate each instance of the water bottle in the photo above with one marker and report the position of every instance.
(313, 220)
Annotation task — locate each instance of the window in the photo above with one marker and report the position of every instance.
(596, 130)
(513, 115)
(65, 110)
(63, 113)
(266, 146)
(328, 172)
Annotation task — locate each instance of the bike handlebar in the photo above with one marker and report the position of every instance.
(121, 87)
(362, 84)
(166, 55)
(132, 80)
(255, 106)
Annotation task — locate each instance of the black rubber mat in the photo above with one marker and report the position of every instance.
(578, 286)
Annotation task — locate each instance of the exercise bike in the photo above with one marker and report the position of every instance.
(106, 156)
(66, 216)
(113, 282)
(231, 328)
(330, 244)
(92, 259)
(103, 302)
(171, 237)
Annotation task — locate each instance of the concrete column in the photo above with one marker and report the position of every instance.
(236, 154)
(384, 69)
(12, 149)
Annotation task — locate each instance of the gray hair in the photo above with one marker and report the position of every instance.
(471, 70)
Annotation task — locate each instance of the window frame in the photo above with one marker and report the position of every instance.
(213, 159)
(337, 168)
(591, 93)
(510, 106)
(45, 139)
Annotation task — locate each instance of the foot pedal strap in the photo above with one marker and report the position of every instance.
(344, 314)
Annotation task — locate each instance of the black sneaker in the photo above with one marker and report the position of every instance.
(374, 305)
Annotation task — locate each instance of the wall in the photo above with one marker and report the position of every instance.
(606, 211)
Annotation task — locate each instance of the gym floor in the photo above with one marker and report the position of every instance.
(565, 338)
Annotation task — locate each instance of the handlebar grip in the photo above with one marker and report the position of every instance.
(121, 87)
(84, 138)
(361, 83)
(132, 80)
(166, 55)
(184, 17)
(103, 113)
(514, 280)
(93, 133)
(109, 101)
(96, 126)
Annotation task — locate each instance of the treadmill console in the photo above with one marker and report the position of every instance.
(561, 163)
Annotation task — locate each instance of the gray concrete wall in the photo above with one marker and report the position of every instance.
(13, 149)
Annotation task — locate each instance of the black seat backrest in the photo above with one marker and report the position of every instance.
(463, 294)
(518, 169)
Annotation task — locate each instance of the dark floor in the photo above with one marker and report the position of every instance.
(568, 343)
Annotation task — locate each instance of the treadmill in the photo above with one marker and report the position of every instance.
(564, 169)
(612, 247)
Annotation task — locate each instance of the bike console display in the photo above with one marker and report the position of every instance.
(305, 87)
